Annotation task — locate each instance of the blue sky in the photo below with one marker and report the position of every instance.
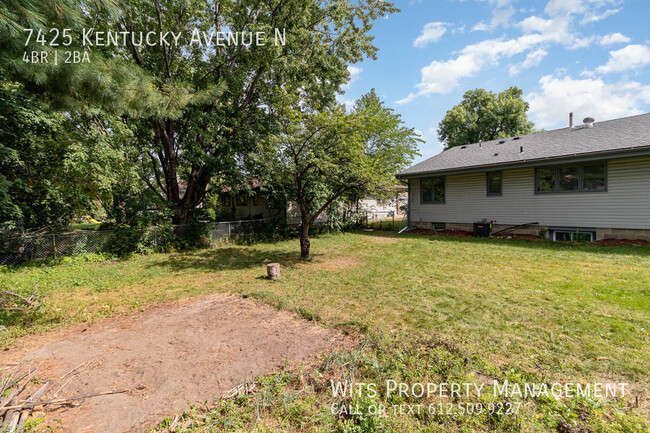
(590, 57)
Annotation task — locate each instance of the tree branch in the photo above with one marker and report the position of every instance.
(251, 88)
(155, 172)
(333, 197)
(162, 46)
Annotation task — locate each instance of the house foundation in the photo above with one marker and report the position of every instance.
(601, 233)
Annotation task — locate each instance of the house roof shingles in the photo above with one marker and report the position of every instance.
(625, 134)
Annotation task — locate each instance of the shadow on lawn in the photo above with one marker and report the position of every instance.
(227, 258)
(541, 245)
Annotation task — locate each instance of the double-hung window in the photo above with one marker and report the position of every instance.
(494, 183)
(432, 190)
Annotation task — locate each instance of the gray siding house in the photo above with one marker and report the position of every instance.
(589, 182)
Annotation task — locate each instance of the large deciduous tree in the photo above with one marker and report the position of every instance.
(483, 116)
(195, 109)
(319, 156)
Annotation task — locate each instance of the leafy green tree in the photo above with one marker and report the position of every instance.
(219, 109)
(484, 116)
(39, 183)
(320, 156)
(57, 166)
(195, 110)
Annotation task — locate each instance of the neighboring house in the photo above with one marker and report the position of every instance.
(248, 205)
(592, 179)
(382, 207)
(254, 204)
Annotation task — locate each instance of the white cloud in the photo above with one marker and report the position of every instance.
(355, 73)
(502, 12)
(349, 103)
(614, 38)
(585, 97)
(555, 29)
(444, 76)
(630, 57)
(480, 27)
(582, 42)
(533, 59)
(595, 16)
(432, 32)
(560, 7)
(580, 7)
(501, 17)
(590, 10)
(460, 29)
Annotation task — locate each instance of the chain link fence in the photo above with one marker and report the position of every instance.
(16, 250)
(384, 220)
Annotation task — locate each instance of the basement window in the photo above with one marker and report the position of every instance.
(573, 235)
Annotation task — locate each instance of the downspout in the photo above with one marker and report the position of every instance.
(408, 205)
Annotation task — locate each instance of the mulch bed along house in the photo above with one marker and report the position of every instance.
(466, 234)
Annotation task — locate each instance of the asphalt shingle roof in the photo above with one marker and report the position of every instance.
(628, 133)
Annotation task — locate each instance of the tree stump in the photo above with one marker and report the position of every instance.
(273, 271)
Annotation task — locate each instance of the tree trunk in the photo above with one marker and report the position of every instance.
(118, 209)
(304, 241)
(182, 215)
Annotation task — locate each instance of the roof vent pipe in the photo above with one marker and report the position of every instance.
(571, 120)
(589, 122)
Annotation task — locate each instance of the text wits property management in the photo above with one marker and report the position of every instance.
(499, 389)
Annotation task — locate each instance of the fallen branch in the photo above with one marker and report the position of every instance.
(15, 393)
(58, 401)
(26, 413)
(72, 372)
(10, 382)
(14, 302)
(244, 388)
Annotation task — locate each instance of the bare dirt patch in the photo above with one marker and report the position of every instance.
(384, 239)
(166, 357)
(339, 263)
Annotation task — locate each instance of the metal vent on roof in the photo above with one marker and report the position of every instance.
(463, 147)
(589, 122)
(501, 141)
(516, 138)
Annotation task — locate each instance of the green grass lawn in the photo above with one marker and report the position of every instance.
(507, 309)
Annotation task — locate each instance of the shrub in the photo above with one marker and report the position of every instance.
(126, 240)
(196, 234)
